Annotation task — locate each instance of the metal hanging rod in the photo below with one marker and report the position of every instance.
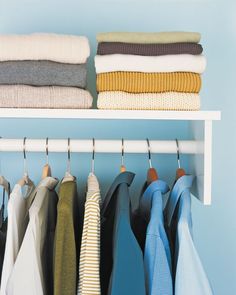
(102, 146)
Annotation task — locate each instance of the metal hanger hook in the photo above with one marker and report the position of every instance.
(149, 153)
(122, 151)
(47, 150)
(24, 155)
(178, 152)
(93, 157)
(68, 156)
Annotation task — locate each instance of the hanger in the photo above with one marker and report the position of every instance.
(68, 176)
(93, 158)
(25, 180)
(180, 171)
(46, 168)
(152, 173)
(122, 167)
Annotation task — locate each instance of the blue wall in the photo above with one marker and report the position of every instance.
(214, 226)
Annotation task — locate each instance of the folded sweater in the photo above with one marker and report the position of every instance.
(39, 46)
(43, 73)
(159, 37)
(148, 101)
(148, 49)
(134, 82)
(150, 64)
(51, 97)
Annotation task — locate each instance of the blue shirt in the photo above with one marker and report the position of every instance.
(118, 243)
(190, 277)
(157, 257)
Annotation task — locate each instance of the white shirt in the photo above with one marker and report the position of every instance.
(17, 222)
(27, 277)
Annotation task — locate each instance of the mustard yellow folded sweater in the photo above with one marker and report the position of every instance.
(136, 82)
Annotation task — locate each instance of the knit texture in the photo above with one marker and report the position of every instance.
(43, 73)
(134, 82)
(38, 46)
(160, 37)
(150, 64)
(149, 101)
(148, 49)
(54, 97)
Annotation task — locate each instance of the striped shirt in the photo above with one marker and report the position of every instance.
(89, 278)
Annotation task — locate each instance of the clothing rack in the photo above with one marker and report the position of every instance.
(101, 146)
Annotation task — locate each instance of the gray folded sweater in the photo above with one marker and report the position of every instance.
(43, 73)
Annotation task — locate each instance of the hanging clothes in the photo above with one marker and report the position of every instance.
(122, 269)
(3, 220)
(67, 239)
(27, 276)
(89, 279)
(187, 267)
(17, 210)
(157, 256)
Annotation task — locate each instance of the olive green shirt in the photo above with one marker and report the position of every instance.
(66, 244)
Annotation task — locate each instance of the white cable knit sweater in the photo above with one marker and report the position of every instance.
(41, 46)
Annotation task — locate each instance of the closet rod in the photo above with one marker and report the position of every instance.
(102, 146)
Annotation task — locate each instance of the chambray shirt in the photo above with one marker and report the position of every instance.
(190, 277)
(157, 257)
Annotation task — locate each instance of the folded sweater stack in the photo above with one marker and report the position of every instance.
(44, 71)
(152, 71)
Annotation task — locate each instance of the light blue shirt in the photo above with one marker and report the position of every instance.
(157, 257)
(190, 277)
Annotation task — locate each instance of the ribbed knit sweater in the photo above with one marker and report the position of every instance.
(148, 49)
(135, 82)
(159, 37)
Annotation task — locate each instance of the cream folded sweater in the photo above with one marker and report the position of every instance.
(159, 37)
(51, 97)
(41, 46)
(150, 64)
(117, 100)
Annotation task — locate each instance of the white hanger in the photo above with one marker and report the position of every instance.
(68, 176)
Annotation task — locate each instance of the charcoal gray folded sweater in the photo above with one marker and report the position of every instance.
(43, 73)
(148, 49)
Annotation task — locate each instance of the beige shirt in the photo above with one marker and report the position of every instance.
(27, 277)
(89, 279)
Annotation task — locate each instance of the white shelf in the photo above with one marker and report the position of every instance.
(109, 114)
(200, 121)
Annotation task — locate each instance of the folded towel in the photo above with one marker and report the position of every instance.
(51, 97)
(59, 48)
(43, 73)
(148, 82)
(149, 101)
(150, 64)
(148, 49)
(160, 37)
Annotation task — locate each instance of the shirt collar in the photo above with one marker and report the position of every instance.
(146, 199)
(182, 184)
(48, 182)
(124, 177)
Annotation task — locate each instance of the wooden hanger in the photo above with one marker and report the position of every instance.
(122, 167)
(46, 168)
(152, 174)
(180, 171)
